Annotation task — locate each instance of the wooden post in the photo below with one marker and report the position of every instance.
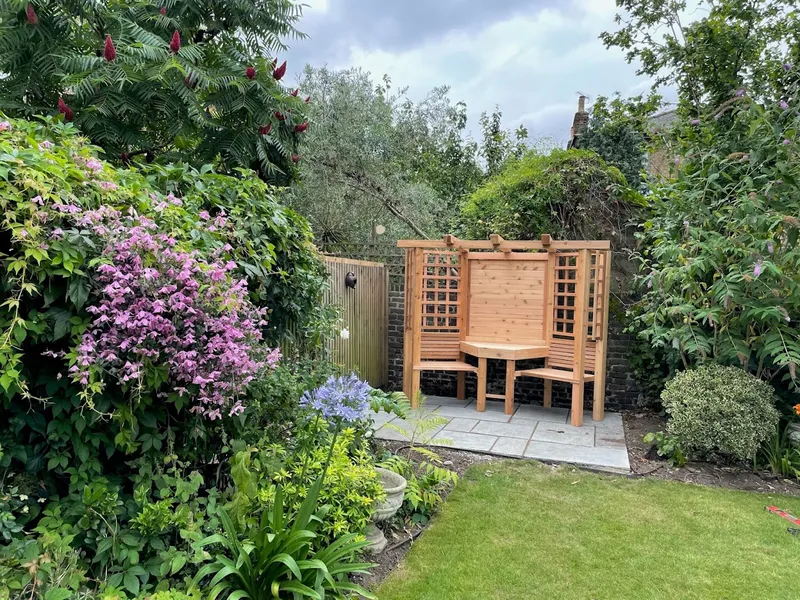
(408, 317)
(481, 384)
(599, 398)
(510, 368)
(579, 331)
(547, 326)
(463, 315)
(419, 270)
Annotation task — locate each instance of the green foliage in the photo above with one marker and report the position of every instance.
(667, 447)
(276, 559)
(128, 484)
(652, 367)
(428, 480)
(720, 267)
(727, 45)
(571, 193)
(371, 153)
(196, 105)
(780, 455)
(719, 410)
(498, 144)
(396, 403)
(617, 132)
(351, 482)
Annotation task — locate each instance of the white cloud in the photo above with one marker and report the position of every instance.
(531, 65)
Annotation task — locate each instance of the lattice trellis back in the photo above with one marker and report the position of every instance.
(441, 277)
(566, 273)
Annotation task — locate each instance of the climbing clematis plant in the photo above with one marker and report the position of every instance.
(167, 321)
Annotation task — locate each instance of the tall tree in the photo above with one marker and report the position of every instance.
(735, 44)
(500, 144)
(618, 131)
(192, 80)
(372, 156)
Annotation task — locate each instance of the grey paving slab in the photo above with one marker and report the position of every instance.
(445, 401)
(613, 459)
(470, 412)
(564, 434)
(407, 427)
(510, 430)
(461, 424)
(382, 418)
(492, 406)
(599, 444)
(540, 413)
(610, 420)
(465, 441)
(509, 447)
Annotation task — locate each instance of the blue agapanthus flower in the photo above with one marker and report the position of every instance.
(342, 398)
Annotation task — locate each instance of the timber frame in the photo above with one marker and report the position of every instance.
(508, 300)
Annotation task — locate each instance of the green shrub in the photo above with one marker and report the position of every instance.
(717, 410)
(720, 267)
(570, 193)
(351, 482)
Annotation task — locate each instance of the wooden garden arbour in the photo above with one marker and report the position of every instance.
(508, 300)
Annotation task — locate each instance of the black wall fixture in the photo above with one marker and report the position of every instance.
(350, 280)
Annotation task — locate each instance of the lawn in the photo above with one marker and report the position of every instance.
(515, 530)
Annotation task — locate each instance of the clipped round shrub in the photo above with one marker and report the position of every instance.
(720, 410)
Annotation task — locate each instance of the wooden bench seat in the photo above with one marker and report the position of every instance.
(442, 365)
(554, 374)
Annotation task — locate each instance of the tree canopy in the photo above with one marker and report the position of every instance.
(193, 81)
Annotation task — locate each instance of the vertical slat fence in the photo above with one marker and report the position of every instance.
(365, 314)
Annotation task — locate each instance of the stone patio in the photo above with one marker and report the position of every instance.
(531, 432)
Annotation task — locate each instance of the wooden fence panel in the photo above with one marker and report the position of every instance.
(365, 314)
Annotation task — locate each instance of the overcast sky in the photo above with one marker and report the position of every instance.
(530, 57)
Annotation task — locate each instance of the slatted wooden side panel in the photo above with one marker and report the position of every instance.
(562, 353)
(506, 300)
(365, 313)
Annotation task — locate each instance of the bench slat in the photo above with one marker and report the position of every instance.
(554, 374)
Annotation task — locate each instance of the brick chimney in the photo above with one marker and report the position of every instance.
(579, 123)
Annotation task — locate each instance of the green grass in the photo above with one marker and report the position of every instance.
(521, 530)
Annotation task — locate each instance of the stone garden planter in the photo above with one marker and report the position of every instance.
(395, 486)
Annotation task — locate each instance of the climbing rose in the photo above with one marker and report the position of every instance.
(163, 10)
(279, 72)
(175, 44)
(295, 92)
(301, 127)
(5, 126)
(279, 115)
(110, 52)
(265, 129)
(31, 14)
(295, 158)
(250, 72)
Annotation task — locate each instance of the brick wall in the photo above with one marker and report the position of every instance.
(621, 388)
